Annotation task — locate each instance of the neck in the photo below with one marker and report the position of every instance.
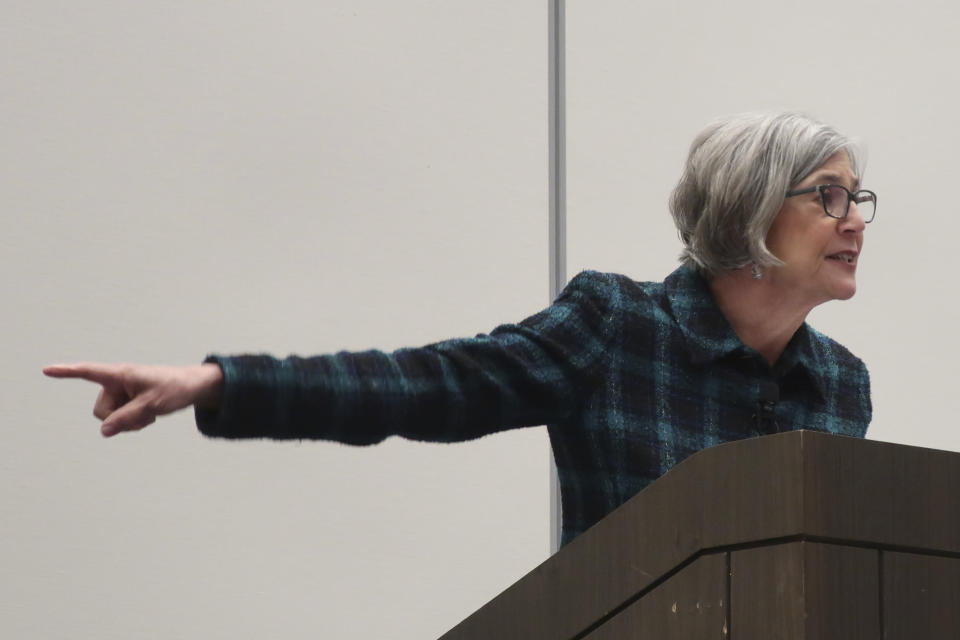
(763, 315)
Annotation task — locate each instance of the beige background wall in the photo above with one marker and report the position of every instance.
(179, 178)
(183, 177)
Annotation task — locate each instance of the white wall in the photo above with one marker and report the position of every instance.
(181, 177)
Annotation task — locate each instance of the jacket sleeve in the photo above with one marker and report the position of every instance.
(530, 373)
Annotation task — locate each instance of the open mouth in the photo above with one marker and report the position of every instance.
(849, 258)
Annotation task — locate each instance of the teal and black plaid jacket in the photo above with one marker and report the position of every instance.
(630, 378)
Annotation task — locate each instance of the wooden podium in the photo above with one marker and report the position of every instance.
(799, 535)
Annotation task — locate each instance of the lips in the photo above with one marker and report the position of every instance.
(850, 257)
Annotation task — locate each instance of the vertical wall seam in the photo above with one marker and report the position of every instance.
(556, 73)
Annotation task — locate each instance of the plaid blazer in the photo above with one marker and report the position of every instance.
(629, 377)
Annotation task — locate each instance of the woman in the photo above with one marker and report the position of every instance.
(630, 377)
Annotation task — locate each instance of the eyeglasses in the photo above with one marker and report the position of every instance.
(836, 200)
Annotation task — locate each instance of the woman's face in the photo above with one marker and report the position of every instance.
(820, 253)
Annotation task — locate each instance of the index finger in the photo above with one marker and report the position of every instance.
(92, 371)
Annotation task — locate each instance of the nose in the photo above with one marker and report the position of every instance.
(854, 221)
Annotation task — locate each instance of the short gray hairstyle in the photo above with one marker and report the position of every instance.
(735, 180)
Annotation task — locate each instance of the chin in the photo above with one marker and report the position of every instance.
(845, 296)
(845, 292)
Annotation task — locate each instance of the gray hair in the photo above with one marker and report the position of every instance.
(736, 177)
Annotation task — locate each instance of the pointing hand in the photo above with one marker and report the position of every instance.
(132, 396)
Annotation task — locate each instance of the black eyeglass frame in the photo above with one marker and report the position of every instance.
(851, 197)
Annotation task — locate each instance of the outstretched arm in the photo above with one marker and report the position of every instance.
(132, 396)
(530, 373)
(535, 372)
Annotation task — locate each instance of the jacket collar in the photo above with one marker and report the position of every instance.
(708, 336)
